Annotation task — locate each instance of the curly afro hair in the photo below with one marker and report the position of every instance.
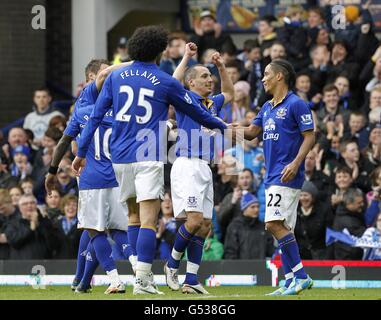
(147, 43)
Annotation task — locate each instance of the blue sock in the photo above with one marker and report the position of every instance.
(121, 240)
(288, 274)
(133, 233)
(103, 252)
(182, 240)
(91, 265)
(146, 245)
(290, 250)
(194, 252)
(81, 257)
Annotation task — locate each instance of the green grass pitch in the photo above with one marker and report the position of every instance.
(216, 293)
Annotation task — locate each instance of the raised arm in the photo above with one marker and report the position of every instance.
(227, 87)
(190, 51)
(101, 77)
(180, 99)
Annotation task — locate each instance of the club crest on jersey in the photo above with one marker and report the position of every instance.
(277, 213)
(269, 125)
(306, 119)
(192, 202)
(188, 98)
(281, 113)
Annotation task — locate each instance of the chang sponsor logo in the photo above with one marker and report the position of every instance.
(269, 129)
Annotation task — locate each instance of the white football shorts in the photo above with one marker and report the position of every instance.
(191, 187)
(143, 180)
(282, 204)
(100, 209)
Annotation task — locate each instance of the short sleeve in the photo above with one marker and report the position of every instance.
(303, 116)
(218, 100)
(258, 120)
(73, 128)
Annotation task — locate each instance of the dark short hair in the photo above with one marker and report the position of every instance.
(94, 65)
(286, 68)
(147, 43)
(343, 169)
(250, 44)
(42, 89)
(249, 171)
(233, 64)
(330, 87)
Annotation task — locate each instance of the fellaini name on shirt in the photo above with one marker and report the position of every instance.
(137, 73)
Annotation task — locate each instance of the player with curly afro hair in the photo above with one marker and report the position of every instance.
(147, 43)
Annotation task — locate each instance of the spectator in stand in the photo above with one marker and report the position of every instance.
(246, 237)
(314, 216)
(303, 90)
(294, 37)
(313, 173)
(235, 111)
(318, 68)
(27, 186)
(15, 193)
(373, 152)
(315, 22)
(30, 236)
(350, 216)
(66, 183)
(267, 35)
(68, 235)
(224, 180)
(174, 53)
(8, 213)
(277, 51)
(21, 166)
(343, 182)
(360, 166)
(358, 131)
(121, 55)
(366, 45)
(53, 204)
(233, 70)
(43, 159)
(6, 179)
(342, 64)
(347, 101)
(38, 120)
(244, 56)
(332, 119)
(16, 137)
(209, 34)
(255, 67)
(230, 205)
(374, 101)
(213, 248)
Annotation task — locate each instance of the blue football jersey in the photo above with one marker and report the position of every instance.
(282, 127)
(139, 96)
(98, 172)
(194, 140)
(88, 95)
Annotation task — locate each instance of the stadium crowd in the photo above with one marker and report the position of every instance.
(339, 77)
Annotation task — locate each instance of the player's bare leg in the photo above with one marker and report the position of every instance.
(194, 252)
(133, 229)
(146, 246)
(184, 235)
